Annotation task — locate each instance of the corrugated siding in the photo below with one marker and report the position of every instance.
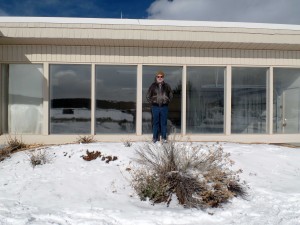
(134, 55)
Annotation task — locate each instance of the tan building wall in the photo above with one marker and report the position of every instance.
(142, 55)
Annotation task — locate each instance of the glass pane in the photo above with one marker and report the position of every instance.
(116, 99)
(173, 77)
(25, 98)
(205, 100)
(286, 101)
(4, 98)
(248, 104)
(70, 95)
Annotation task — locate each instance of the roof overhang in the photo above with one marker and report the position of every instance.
(147, 33)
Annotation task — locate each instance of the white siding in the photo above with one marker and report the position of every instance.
(135, 55)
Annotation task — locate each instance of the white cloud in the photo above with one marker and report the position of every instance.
(3, 13)
(261, 11)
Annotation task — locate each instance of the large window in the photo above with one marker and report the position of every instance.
(248, 105)
(286, 100)
(116, 99)
(23, 98)
(173, 78)
(205, 100)
(70, 95)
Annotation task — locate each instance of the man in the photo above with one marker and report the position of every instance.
(159, 95)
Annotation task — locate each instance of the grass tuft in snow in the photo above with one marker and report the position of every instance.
(127, 143)
(38, 157)
(4, 153)
(15, 144)
(199, 176)
(86, 139)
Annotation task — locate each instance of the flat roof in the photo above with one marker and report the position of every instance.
(149, 22)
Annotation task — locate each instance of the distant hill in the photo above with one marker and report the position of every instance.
(86, 103)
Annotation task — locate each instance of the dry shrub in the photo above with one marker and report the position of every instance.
(96, 154)
(199, 176)
(86, 139)
(38, 157)
(109, 158)
(91, 155)
(4, 153)
(15, 144)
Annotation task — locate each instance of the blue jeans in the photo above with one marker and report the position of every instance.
(159, 119)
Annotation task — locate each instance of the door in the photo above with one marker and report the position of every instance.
(291, 111)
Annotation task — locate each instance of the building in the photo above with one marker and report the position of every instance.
(65, 77)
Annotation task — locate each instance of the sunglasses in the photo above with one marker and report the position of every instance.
(159, 77)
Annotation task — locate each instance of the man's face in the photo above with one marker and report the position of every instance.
(159, 78)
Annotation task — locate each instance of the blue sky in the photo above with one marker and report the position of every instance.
(76, 8)
(258, 11)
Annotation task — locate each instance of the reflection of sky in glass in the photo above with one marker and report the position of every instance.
(116, 98)
(116, 83)
(70, 81)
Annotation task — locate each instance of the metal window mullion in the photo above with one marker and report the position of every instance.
(183, 101)
(46, 94)
(270, 87)
(227, 100)
(139, 99)
(93, 99)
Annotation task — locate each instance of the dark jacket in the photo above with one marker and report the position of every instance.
(159, 96)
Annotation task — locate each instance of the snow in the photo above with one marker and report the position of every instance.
(69, 190)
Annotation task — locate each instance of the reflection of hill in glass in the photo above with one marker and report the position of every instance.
(25, 100)
(86, 103)
(71, 103)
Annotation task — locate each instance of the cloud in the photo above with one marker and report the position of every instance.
(3, 13)
(261, 11)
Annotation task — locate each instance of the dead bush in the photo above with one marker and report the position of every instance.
(199, 176)
(15, 144)
(4, 153)
(91, 155)
(96, 154)
(86, 139)
(38, 157)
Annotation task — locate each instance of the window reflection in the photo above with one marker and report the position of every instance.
(205, 100)
(115, 99)
(25, 98)
(286, 101)
(173, 78)
(70, 95)
(248, 105)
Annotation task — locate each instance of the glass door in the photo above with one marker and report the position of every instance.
(291, 111)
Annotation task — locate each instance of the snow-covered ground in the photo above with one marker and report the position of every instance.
(72, 191)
